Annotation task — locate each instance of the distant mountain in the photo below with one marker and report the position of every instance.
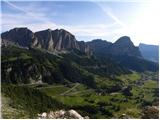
(123, 52)
(150, 52)
(110, 56)
(123, 46)
(51, 40)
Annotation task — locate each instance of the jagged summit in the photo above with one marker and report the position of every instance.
(62, 40)
(51, 40)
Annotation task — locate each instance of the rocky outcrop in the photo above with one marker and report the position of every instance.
(18, 36)
(61, 114)
(123, 46)
(56, 40)
(99, 46)
(150, 112)
(50, 40)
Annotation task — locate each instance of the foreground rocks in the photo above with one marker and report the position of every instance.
(150, 112)
(61, 114)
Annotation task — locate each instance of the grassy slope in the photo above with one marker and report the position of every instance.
(84, 99)
(29, 99)
(114, 105)
(11, 112)
(91, 103)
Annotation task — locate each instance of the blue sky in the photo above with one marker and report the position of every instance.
(87, 20)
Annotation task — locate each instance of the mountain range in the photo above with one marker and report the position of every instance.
(123, 46)
(62, 40)
(24, 51)
(51, 40)
(49, 70)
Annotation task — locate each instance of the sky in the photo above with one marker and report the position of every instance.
(87, 19)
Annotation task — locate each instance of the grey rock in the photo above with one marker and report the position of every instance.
(50, 40)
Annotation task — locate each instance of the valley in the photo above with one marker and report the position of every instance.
(109, 105)
(74, 76)
(99, 104)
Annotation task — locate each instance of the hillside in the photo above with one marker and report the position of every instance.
(35, 66)
(123, 46)
(123, 52)
(150, 52)
(50, 71)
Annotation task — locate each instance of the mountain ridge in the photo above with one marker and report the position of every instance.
(123, 46)
(51, 40)
(62, 41)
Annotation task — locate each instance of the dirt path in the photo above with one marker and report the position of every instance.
(76, 85)
(74, 93)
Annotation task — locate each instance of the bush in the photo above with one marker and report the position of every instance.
(127, 91)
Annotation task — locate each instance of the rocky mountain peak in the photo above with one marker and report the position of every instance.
(20, 36)
(19, 29)
(123, 46)
(50, 40)
(124, 40)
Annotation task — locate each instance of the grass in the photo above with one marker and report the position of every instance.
(10, 112)
(82, 98)
(54, 90)
(22, 56)
(29, 99)
(72, 100)
(111, 101)
(150, 84)
(129, 78)
(101, 101)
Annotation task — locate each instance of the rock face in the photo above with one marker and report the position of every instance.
(123, 46)
(18, 36)
(99, 47)
(51, 40)
(62, 40)
(61, 114)
(56, 40)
